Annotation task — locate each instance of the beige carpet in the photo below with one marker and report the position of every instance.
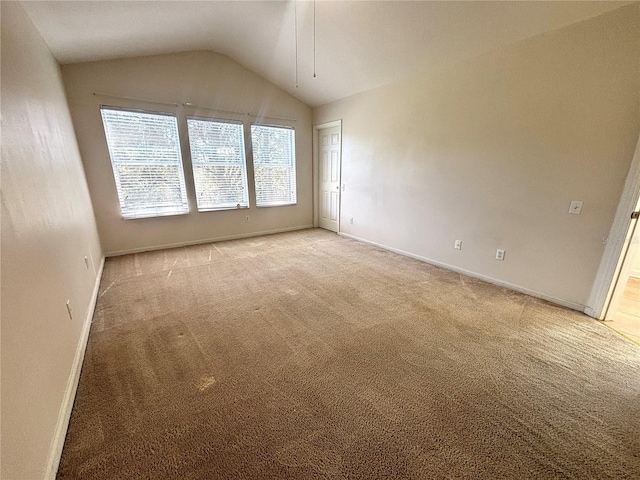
(306, 355)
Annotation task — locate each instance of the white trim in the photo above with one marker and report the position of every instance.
(334, 123)
(205, 240)
(64, 414)
(591, 312)
(500, 283)
(610, 264)
(316, 171)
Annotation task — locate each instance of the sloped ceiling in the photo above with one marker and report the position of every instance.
(359, 45)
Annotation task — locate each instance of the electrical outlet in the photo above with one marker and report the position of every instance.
(458, 245)
(69, 309)
(246, 219)
(351, 220)
(500, 254)
(576, 207)
(86, 262)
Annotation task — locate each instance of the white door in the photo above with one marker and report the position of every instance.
(329, 177)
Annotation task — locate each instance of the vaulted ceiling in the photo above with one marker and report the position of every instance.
(359, 45)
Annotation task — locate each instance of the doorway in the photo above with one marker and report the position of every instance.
(623, 311)
(328, 155)
(610, 299)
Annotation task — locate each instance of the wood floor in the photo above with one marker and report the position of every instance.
(627, 319)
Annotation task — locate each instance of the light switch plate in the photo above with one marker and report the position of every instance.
(576, 207)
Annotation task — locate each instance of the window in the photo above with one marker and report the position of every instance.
(218, 159)
(147, 165)
(274, 163)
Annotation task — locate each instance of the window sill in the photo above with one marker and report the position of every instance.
(218, 209)
(155, 215)
(277, 205)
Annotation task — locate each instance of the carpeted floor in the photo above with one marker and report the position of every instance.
(306, 355)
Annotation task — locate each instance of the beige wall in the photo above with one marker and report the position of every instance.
(47, 229)
(493, 150)
(204, 79)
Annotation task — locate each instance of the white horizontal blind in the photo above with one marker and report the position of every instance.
(274, 162)
(219, 168)
(146, 161)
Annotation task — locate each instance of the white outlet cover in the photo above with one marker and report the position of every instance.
(458, 245)
(576, 207)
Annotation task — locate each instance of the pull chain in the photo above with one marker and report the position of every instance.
(295, 14)
(314, 38)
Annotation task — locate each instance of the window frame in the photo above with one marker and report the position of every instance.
(293, 166)
(155, 211)
(194, 164)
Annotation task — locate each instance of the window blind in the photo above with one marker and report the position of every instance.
(219, 164)
(146, 161)
(274, 163)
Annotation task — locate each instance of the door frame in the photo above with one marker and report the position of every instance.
(316, 171)
(616, 247)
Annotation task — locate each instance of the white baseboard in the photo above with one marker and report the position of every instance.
(72, 385)
(591, 312)
(500, 283)
(205, 240)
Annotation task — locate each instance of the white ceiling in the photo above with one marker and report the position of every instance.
(359, 44)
